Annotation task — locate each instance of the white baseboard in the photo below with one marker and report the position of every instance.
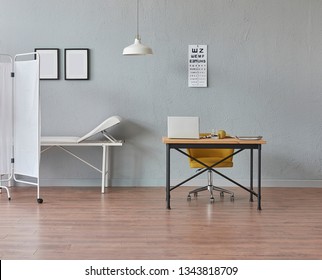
(264, 183)
(161, 182)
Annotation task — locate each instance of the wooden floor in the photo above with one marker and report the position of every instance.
(133, 223)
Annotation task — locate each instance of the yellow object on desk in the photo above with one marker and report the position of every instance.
(221, 134)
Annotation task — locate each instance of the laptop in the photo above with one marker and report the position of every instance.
(183, 127)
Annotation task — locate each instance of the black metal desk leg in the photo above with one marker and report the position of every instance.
(259, 207)
(168, 175)
(251, 174)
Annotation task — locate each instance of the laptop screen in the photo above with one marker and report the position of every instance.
(183, 127)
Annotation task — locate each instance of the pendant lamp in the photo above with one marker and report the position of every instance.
(137, 48)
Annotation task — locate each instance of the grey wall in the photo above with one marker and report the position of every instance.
(265, 78)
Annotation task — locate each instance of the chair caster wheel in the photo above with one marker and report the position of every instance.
(189, 197)
(9, 198)
(40, 200)
(212, 200)
(222, 194)
(195, 194)
(232, 198)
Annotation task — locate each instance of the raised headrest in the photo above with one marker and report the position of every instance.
(108, 123)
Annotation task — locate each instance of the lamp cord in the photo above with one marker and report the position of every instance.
(137, 20)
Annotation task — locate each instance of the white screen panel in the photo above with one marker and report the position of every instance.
(26, 118)
(5, 117)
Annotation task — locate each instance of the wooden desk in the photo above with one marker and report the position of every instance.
(213, 143)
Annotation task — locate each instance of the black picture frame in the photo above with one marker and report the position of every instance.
(49, 63)
(76, 61)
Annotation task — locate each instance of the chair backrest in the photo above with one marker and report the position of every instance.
(210, 157)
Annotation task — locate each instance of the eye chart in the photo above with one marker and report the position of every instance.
(197, 61)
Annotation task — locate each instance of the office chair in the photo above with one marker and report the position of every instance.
(210, 157)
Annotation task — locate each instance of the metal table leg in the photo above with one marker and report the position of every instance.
(251, 174)
(103, 184)
(168, 176)
(259, 207)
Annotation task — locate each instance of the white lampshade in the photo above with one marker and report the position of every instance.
(137, 48)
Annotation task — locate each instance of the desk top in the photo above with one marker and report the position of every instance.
(230, 140)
